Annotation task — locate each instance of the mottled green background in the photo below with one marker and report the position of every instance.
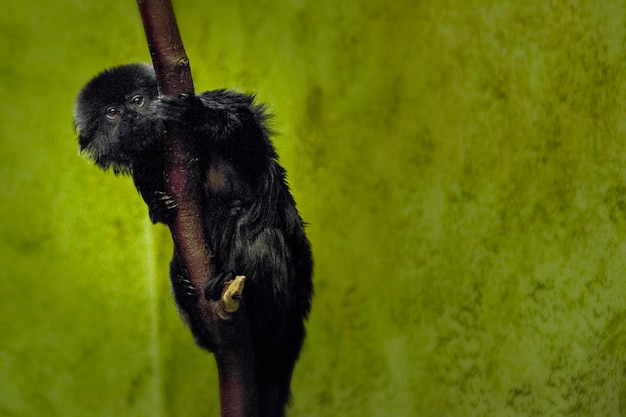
(462, 165)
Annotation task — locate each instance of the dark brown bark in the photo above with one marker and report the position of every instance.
(229, 330)
(174, 77)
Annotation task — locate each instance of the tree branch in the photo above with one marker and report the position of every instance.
(166, 47)
(183, 179)
(223, 320)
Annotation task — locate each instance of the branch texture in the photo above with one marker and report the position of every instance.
(224, 320)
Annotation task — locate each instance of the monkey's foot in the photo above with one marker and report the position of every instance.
(231, 297)
(215, 286)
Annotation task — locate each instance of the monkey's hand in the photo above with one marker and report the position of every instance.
(196, 116)
(162, 208)
(187, 110)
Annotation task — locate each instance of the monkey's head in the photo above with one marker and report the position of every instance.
(112, 116)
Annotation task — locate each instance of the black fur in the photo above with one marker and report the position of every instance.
(250, 219)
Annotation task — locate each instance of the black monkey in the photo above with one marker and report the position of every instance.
(249, 216)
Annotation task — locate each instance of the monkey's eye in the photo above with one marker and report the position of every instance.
(137, 100)
(112, 112)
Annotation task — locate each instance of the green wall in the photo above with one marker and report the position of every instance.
(462, 165)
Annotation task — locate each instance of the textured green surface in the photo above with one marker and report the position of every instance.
(462, 165)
